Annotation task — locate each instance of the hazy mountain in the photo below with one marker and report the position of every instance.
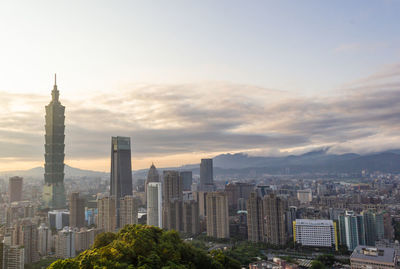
(240, 164)
(70, 172)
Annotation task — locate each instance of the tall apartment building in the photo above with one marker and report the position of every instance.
(65, 243)
(274, 213)
(15, 189)
(128, 213)
(26, 234)
(255, 218)
(200, 197)
(84, 238)
(107, 214)
(76, 210)
(121, 170)
(12, 255)
(172, 200)
(217, 215)
(315, 233)
(190, 217)
(44, 240)
(154, 204)
(290, 217)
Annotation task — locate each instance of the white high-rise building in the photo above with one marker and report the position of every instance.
(154, 204)
(315, 233)
(45, 240)
(12, 256)
(65, 243)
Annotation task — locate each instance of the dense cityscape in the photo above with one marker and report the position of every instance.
(263, 221)
(207, 134)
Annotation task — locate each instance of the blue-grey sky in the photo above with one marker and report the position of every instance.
(297, 51)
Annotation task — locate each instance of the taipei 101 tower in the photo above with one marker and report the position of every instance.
(54, 192)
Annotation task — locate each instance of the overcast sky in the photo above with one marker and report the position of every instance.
(192, 79)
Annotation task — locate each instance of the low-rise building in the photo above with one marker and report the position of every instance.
(374, 258)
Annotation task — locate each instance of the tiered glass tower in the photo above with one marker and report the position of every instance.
(54, 192)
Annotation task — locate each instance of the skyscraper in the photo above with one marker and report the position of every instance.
(15, 189)
(206, 175)
(54, 192)
(217, 215)
(274, 212)
(187, 179)
(121, 167)
(76, 210)
(154, 204)
(152, 176)
(121, 170)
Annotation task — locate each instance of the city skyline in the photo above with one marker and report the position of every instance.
(254, 82)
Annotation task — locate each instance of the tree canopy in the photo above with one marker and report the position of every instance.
(145, 247)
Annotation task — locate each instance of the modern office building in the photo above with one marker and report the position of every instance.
(187, 179)
(352, 230)
(128, 212)
(217, 215)
(58, 219)
(15, 189)
(107, 214)
(255, 218)
(275, 208)
(154, 204)
(76, 210)
(121, 169)
(374, 258)
(315, 233)
(206, 175)
(53, 191)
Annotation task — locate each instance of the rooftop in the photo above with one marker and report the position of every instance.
(381, 254)
(324, 222)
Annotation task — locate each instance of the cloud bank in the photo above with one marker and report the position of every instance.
(206, 118)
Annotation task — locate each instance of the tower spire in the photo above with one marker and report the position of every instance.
(55, 93)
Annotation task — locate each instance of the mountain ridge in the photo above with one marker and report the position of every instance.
(318, 161)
